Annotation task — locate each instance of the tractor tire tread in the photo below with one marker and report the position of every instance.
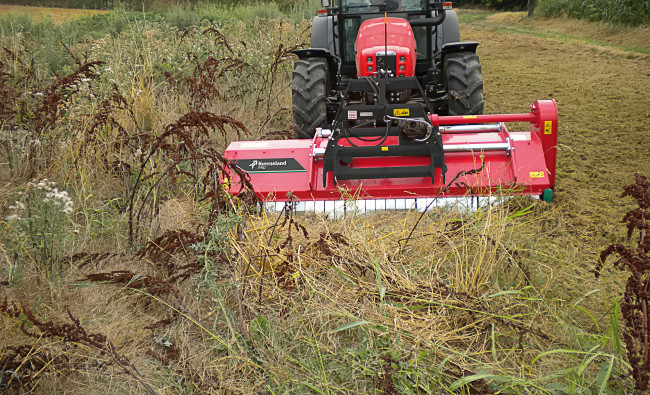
(309, 96)
(464, 83)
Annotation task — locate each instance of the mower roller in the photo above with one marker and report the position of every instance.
(387, 111)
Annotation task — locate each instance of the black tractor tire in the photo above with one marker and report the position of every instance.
(309, 93)
(464, 83)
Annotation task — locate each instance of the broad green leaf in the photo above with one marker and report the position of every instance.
(603, 375)
(466, 380)
(501, 293)
(350, 326)
(523, 211)
(345, 276)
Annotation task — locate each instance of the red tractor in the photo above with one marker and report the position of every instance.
(387, 109)
(418, 40)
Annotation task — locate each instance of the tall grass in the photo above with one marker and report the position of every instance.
(133, 4)
(626, 12)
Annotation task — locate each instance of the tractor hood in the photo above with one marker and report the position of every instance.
(389, 39)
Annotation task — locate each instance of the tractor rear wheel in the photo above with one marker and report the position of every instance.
(309, 94)
(464, 82)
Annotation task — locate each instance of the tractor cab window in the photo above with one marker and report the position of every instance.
(414, 5)
(420, 33)
(365, 6)
(358, 7)
(350, 30)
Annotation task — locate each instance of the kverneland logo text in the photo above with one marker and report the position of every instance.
(263, 165)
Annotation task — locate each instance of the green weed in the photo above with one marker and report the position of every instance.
(631, 13)
(38, 224)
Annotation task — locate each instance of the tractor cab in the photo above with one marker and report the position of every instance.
(384, 39)
(352, 14)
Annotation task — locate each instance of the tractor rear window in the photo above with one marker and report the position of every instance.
(365, 6)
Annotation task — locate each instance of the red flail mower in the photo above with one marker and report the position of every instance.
(388, 116)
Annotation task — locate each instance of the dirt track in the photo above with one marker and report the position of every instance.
(604, 107)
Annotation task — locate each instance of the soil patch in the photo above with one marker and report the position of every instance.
(604, 110)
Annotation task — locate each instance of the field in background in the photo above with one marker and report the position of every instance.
(58, 15)
(632, 39)
(124, 268)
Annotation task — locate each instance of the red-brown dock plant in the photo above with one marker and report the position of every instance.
(636, 261)
(69, 335)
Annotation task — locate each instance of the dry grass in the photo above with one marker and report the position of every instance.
(305, 289)
(58, 15)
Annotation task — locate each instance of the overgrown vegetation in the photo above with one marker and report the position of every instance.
(125, 267)
(635, 306)
(151, 5)
(629, 12)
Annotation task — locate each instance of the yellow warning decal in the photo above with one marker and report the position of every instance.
(469, 117)
(401, 112)
(548, 127)
(384, 148)
(536, 174)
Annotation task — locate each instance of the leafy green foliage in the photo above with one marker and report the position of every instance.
(502, 5)
(625, 12)
(38, 223)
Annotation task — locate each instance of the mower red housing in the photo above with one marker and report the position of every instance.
(526, 166)
(380, 35)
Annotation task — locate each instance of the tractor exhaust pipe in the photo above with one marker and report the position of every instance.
(435, 21)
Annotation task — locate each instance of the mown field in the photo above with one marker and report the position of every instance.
(125, 269)
(57, 15)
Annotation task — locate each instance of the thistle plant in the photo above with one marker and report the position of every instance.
(38, 223)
